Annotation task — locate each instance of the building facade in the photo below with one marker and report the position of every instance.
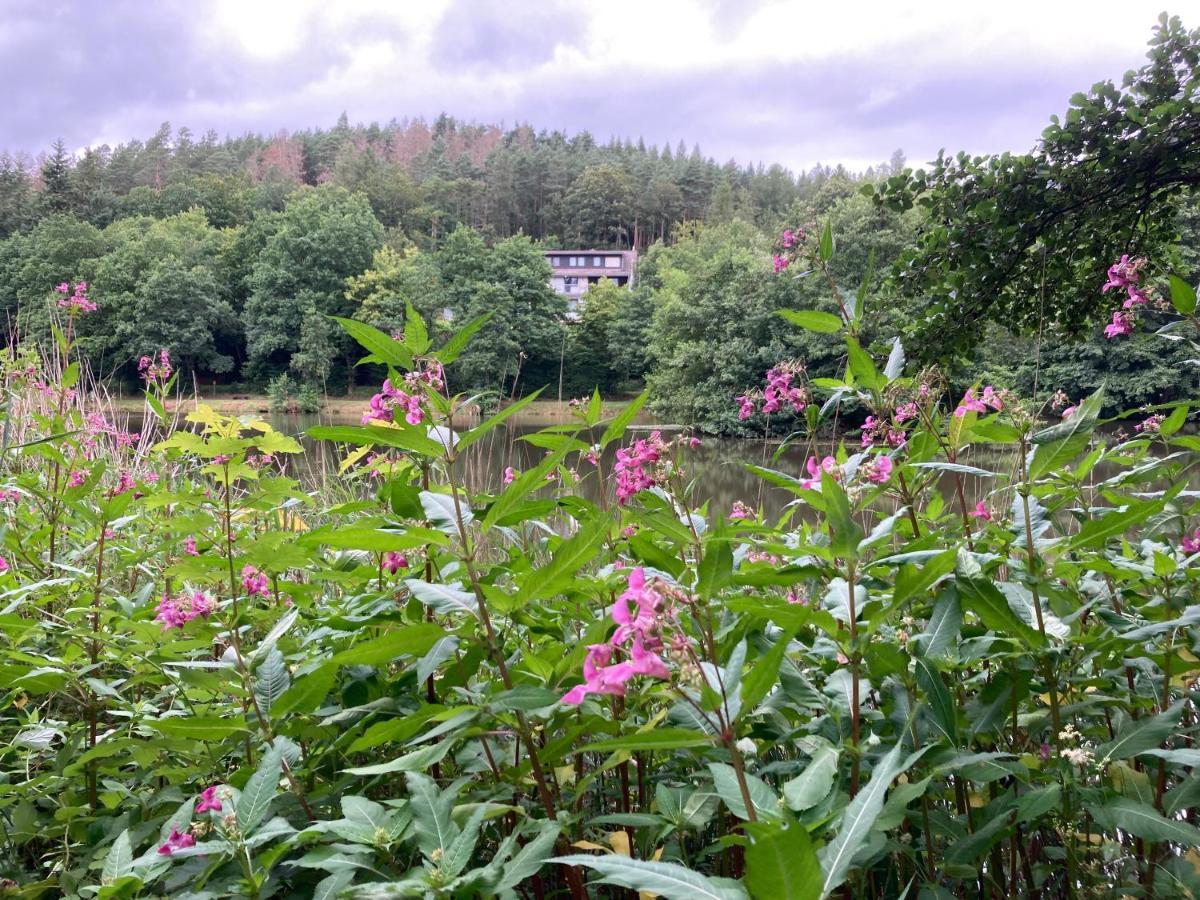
(574, 271)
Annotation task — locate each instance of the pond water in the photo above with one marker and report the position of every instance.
(717, 467)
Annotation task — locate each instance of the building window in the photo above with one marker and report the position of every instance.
(596, 262)
(612, 262)
(558, 262)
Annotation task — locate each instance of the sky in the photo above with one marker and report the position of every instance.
(797, 82)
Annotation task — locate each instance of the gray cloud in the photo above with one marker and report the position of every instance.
(114, 71)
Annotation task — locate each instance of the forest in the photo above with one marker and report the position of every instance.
(234, 253)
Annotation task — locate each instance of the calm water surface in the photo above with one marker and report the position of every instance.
(717, 467)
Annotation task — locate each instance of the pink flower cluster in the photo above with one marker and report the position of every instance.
(175, 612)
(814, 468)
(75, 301)
(155, 369)
(408, 398)
(1124, 275)
(255, 582)
(740, 511)
(393, 562)
(876, 432)
(1149, 425)
(982, 512)
(780, 262)
(989, 399)
(1191, 543)
(209, 800)
(176, 841)
(637, 614)
(877, 470)
(640, 467)
(780, 392)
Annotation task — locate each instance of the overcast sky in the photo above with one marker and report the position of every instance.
(793, 82)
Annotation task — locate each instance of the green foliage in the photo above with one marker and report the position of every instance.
(1017, 239)
(221, 684)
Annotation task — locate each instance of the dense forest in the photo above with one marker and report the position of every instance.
(234, 253)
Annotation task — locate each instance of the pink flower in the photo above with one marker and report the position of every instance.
(208, 800)
(1123, 274)
(3, 564)
(1069, 411)
(1149, 425)
(828, 464)
(981, 512)
(878, 470)
(255, 582)
(1136, 298)
(510, 475)
(78, 301)
(77, 478)
(1191, 544)
(628, 531)
(1044, 752)
(789, 237)
(176, 841)
(1122, 324)
(992, 399)
(640, 466)
(746, 407)
(175, 612)
(780, 263)
(740, 511)
(693, 443)
(189, 546)
(641, 620)
(393, 562)
(906, 411)
(970, 403)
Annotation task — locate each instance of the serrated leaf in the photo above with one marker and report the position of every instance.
(813, 785)
(260, 790)
(668, 880)
(725, 783)
(443, 599)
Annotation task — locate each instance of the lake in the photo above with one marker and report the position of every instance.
(717, 467)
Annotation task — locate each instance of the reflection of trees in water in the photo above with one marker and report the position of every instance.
(716, 469)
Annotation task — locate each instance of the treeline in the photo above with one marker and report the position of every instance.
(422, 179)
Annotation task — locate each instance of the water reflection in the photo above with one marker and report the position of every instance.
(717, 467)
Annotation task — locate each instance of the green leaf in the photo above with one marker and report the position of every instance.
(813, 785)
(827, 246)
(453, 348)
(198, 728)
(119, 861)
(431, 809)
(716, 567)
(944, 718)
(402, 438)
(409, 640)
(1143, 821)
(307, 692)
(621, 420)
(1113, 523)
(523, 485)
(530, 858)
(259, 791)
(1183, 296)
(1139, 735)
(417, 761)
(382, 346)
(725, 783)
(913, 582)
(416, 335)
(466, 439)
(656, 739)
(781, 862)
(846, 531)
(765, 674)
(837, 855)
(980, 596)
(862, 367)
(812, 320)
(443, 598)
(668, 880)
(566, 560)
(940, 637)
(271, 679)
(895, 361)
(1059, 444)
